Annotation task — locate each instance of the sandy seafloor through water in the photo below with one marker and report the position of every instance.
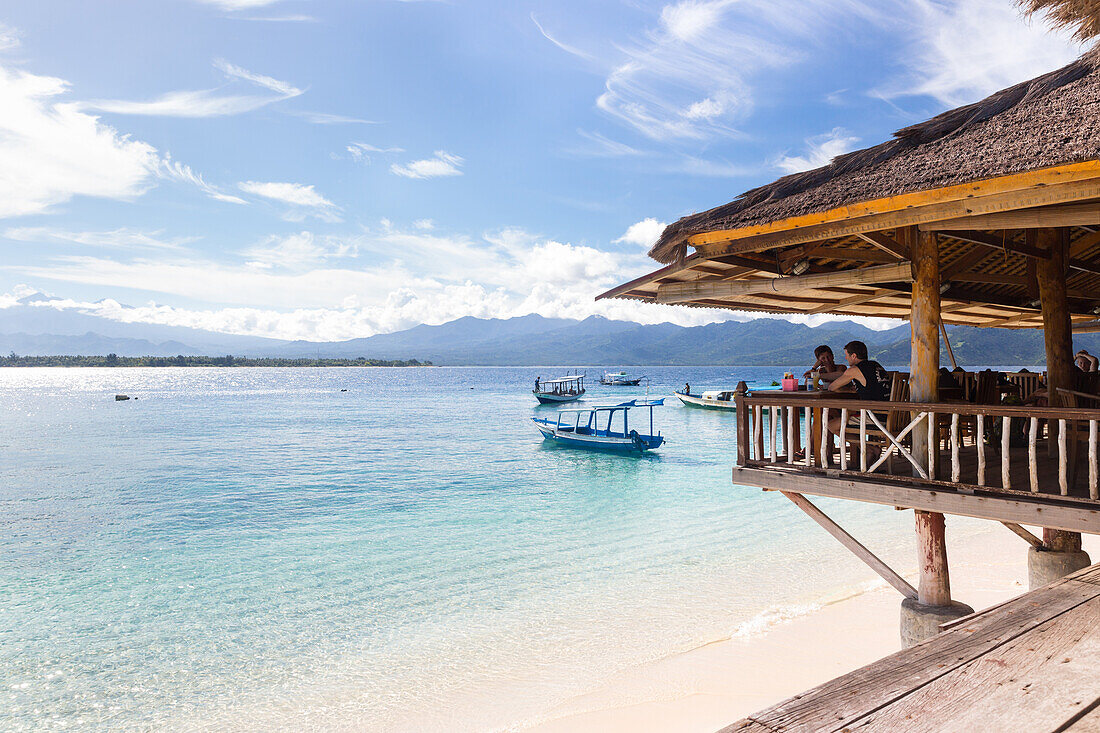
(243, 549)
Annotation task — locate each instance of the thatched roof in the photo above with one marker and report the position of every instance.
(1051, 120)
(1081, 15)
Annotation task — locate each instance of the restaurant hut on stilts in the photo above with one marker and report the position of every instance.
(987, 215)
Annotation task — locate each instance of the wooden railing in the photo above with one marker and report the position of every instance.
(964, 443)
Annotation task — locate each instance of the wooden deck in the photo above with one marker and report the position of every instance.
(1028, 664)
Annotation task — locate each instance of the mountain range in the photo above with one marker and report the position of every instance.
(33, 327)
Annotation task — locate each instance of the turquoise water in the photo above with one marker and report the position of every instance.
(256, 549)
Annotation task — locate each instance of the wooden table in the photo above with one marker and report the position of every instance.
(802, 397)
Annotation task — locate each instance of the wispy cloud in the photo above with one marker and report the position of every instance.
(240, 4)
(122, 238)
(968, 49)
(51, 151)
(204, 102)
(820, 150)
(361, 151)
(175, 171)
(563, 46)
(325, 118)
(304, 200)
(9, 37)
(289, 193)
(300, 250)
(598, 145)
(441, 164)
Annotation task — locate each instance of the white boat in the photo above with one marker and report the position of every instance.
(714, 399)
(620, 379)
(553, 391)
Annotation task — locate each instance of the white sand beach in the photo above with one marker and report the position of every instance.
(709, 687)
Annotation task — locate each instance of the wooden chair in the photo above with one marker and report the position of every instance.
(1027, 382)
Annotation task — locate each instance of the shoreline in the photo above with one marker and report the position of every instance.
(721, 681)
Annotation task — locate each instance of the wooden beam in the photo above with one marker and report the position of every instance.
(687, 292)
(1083, 244)
(854, 545)
(853, 254)
(947, 343)
(1064, 215)
(1047, 511)
(1002, 243)
(1027, 536)
(854, 300)
(886, 244)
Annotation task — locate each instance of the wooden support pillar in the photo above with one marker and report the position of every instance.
(1050, 276)
(934, 588)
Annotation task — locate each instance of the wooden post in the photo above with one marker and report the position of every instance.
(1050, 275)
(934, 588)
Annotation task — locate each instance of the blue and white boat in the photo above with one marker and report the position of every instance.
(603, 428)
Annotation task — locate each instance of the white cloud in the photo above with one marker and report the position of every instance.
(287, 193)
(563, 46)
(644, 233)
(204, 102)
(176, 171)
(9, 37)
(688, 77)
(601, 146)
(302, 286)
(442, 164)
(820, 150)
(968, 49)
(424, 224)
(360, 151)
(122, 238)
(298, 250)
(240, 4)
(51, 151)
(325, 118)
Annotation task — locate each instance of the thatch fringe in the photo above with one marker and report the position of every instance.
(1081, 15)
(672, 244)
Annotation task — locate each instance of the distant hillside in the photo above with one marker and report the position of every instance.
(33, 328)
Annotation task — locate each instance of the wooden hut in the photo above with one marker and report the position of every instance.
(986, 215)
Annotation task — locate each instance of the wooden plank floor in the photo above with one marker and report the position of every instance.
(1032, 664)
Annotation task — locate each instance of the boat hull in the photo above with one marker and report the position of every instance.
(693, 401)
(620, 382)
(642, 444)
(548, 398)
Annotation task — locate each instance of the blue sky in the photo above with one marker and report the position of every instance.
(328, 169)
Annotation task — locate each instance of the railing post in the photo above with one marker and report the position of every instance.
(742, 424)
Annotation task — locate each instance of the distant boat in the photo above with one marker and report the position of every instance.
(620, 379)
(717, 399)
(602, 428)
(565, 389)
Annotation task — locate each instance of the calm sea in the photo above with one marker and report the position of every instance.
(257, 548)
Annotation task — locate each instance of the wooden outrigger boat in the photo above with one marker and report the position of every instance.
(565, 389)
(601, 428)
(620, 379)
(717, 399)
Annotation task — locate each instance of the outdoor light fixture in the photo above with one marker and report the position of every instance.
(800, 267)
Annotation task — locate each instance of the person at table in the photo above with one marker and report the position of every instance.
(1085, 361)
(864, 376)
(825, 364)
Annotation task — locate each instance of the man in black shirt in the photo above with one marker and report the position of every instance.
(864, 376)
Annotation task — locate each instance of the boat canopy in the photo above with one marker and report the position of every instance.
(563, 380)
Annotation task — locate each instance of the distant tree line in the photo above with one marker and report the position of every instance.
(114, 360)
